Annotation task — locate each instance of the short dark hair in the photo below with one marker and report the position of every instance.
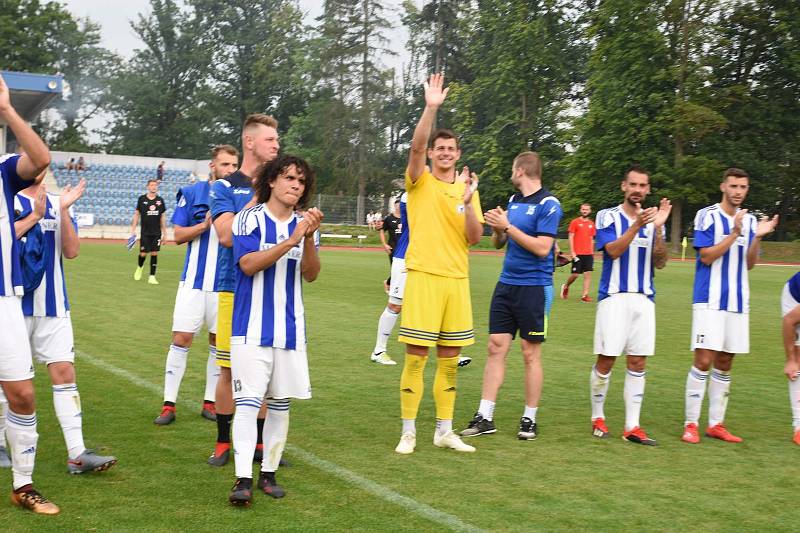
(443, 133)
(736, 173)
(152, 180)
(270, 171)
(530, 163)
(638, 169)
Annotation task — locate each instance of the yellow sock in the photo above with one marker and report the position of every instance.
(412, 385)
(444, 387)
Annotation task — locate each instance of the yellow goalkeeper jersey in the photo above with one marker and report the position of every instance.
(438, 244)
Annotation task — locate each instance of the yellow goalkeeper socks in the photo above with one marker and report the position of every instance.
(444, 387)
(411, 385)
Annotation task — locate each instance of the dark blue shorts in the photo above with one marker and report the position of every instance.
(522, 308)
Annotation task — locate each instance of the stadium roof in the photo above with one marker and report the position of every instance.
(31, 93)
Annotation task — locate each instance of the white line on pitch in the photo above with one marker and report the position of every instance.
(367, 485)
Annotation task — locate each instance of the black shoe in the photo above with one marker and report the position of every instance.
(527, 429)
(242, 492)
(267, 483)
(478, 426)
(220, 460)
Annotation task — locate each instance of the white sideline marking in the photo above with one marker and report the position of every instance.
(367, 485)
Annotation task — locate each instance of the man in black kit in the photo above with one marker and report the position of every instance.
(150, 207)
(391, 228)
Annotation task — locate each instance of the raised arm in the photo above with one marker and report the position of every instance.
(660, 252)
(36, 155)
(709, 254)
(435, 93)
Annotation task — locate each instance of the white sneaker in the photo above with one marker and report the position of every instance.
(464, 361)
(152, 280)
(382, 358)
(408, 441)
(452, 441)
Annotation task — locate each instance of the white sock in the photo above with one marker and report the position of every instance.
(22, 439)
(67, 404)
(276, 428)
(486, 409)
(443, 426)
(530, 412)
(385, 327)
(695, 391)
(245, 435)
(410, 425)
(598, 385)
(212, 375)
(173, 374)
(718, 389)
(794, 401)
(633, 392)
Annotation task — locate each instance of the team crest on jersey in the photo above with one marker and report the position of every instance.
(158, 202)
(531, 210)
(152, 208)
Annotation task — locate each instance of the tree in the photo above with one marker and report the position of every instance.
(629, 91)
(159, 101)
(526, 58)
(31, 34)
(88, 69)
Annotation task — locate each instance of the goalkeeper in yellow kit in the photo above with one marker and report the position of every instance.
(444, 217)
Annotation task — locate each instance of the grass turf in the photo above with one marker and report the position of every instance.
(564, 480)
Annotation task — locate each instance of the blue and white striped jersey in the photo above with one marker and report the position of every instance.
(200, 264)
(723, 285)
(402, 243)
(633, 270)
(50, 297)
(10, 269)
(267, 307)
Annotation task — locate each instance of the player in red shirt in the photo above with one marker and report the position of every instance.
(581, 249)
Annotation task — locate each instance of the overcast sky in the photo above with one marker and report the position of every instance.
(114, 19)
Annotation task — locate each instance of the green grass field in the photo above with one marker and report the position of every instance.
(344, 474)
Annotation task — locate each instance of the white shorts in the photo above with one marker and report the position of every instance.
(266, 372)
(51, 339)
(721, 331)
(193, 308)
(787, 304)
(625, 323)
(15, 349)
(398, 285)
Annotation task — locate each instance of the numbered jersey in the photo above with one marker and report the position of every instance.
(633, 270)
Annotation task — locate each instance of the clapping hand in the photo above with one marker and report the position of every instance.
(645, 216)
(40, 202)
(766, 225)
(470, 179)
(70, 194)
(497, 218)
(662, 215)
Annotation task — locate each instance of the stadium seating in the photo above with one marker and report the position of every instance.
(112, 190)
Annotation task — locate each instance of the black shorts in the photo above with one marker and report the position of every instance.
(150, 243)
(583, 263)
(522, 308)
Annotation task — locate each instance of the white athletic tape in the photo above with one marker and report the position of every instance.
(425, 511)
